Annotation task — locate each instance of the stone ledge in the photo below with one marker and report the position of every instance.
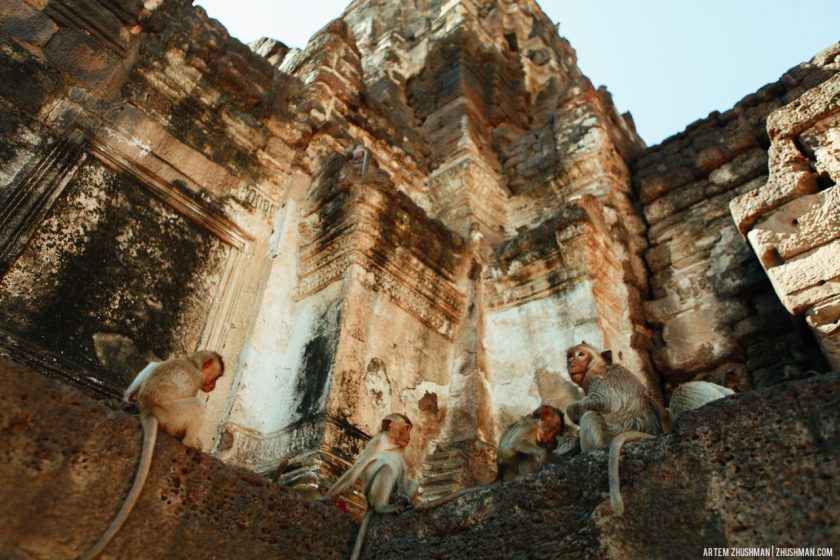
(755, 470)
(67, 461)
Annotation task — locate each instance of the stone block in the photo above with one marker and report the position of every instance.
(809, 270)
(799, 226)
(24, 79)
(81, 56)
(25, 23)
(799, 115)
(790, 177)
(824, 319)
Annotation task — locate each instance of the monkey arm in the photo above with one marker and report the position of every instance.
(594, 401)
(346, 480)
(406, 486)
(526, 447)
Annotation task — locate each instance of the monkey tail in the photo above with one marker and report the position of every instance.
(150, 426)
(360, 536)
(612, 469)
(449, 497)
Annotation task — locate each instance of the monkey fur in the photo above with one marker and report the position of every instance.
(524, 447)
(694, 394)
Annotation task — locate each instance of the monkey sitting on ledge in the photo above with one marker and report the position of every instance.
(525, 447)
(383, 469)
(617, 408)
(167, 393)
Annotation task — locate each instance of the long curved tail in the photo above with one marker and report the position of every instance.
(150, 427)
(612, 468)
(360, 536)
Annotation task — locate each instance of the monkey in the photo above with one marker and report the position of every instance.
(359, 152)
(383, 469)
(617, 408)
(167, 394)
(694, 394)
(524, 447)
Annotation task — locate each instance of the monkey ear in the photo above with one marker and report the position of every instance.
(607, 355)
(545, 412)
(386, 424)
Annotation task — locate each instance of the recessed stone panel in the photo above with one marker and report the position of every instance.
(108, 255)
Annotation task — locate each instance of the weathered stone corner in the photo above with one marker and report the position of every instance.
(67, 461)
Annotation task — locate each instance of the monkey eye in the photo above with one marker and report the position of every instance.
(581, 354)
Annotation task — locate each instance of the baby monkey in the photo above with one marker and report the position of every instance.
(525, 447)
(167, 394)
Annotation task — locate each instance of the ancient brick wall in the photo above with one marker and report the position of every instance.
(793, 221)
(704, 276)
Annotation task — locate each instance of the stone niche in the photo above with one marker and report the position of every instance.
(100, 252)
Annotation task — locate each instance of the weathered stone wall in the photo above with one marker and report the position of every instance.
(704, 277)
(145, 154)
(793, 220)
(477, 113)
(418, 212)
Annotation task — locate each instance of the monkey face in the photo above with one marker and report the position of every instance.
(210, 385)
(398, 428)
(551, 424)
(403, 435)
(212, 367)
(577, 360)
(212, 373)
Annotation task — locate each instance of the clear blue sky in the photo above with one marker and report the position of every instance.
(668, 62)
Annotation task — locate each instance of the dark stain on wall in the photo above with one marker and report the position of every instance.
(318, 359)
(109, 257)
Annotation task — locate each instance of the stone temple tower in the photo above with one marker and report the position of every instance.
(418, 213)
(484, 225)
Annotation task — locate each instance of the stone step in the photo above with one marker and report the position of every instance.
(439, 478)
(443, 466)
